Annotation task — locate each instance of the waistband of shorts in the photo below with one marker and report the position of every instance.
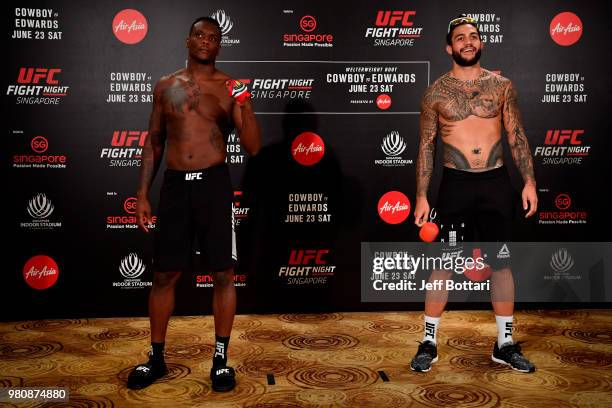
(456, 174)
(208, 171)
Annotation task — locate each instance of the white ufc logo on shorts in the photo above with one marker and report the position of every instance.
(193, 176)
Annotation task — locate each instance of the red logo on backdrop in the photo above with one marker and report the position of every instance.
(563, 201)
(559, 137)
(391, 18)
(566, 28)
(40, 272)
(240, 213)
(308, 256)
(383, 101)
(394, 207)
(39, 144)
(130, 26)
(128, 220)
(126, 138)
(129, 205)
(308, 23)
(36, 75)
(308, 148)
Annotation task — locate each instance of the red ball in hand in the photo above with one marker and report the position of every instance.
(429, 231)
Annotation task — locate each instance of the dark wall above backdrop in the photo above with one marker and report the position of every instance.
(337, 89)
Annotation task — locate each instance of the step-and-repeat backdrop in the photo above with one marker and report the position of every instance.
(336, 86)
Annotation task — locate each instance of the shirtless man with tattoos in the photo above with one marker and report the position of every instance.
(192, 116)
(467, 107)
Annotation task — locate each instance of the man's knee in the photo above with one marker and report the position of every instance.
(224, 278)
(501, 269)
(440, 274)
(165, 280)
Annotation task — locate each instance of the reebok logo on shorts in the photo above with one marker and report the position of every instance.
(504, 252)
(193, 176)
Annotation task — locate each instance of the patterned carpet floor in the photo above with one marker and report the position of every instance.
(318, 360)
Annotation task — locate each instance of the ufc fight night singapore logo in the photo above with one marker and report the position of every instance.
(307, 267)
(563, 147)
(38, 86)
(394, 28)
(125, 148)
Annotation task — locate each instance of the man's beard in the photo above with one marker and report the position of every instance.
(464, 62)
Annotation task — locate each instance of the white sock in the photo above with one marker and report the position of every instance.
(504, 329)
(431, 328)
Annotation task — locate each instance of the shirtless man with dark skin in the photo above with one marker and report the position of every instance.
(468, 107)
(192, 116)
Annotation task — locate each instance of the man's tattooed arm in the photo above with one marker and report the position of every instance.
(428, 127)
(519, 146)
(154, 145)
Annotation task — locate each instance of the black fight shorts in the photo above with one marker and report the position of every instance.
(477, 207)
(195, 204)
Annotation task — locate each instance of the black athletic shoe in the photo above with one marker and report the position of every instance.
(510, 354)
(223, 378)
(144, 375)
(426, 355)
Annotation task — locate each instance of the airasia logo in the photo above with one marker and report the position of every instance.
(383, 101)
(39, 144)
(130, 26)
(308, 23)
(36, 75)
(392, 18)
(394, 207)
(40, 272)
(563, 201)
(308, 149)
(566, 28)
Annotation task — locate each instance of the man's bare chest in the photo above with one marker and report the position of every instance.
(455, 102)
(186, 98)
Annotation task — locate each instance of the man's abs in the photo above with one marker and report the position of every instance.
(195, 147)
(472, 144)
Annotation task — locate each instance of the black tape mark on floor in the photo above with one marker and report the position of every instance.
(271, 379)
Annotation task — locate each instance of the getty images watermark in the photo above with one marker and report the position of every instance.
(470, 271)
(386, 267)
